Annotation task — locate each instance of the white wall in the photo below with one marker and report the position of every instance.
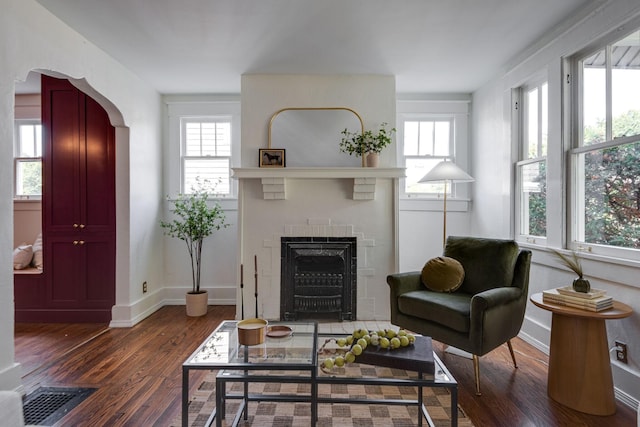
(373, 97)
(27, 220)
(32, 38)
(492, 159)
(421, 232)
(421, 221)
(219, 250)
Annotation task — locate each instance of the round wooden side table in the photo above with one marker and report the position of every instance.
(579, 368)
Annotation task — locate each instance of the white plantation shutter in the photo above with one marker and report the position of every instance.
(206, 152)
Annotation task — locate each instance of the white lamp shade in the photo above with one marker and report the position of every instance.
(446, 171)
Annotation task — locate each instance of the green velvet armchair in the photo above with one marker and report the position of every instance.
(487, 309)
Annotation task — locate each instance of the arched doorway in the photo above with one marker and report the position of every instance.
(78, 281)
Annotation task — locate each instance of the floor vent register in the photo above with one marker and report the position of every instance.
(46, 405)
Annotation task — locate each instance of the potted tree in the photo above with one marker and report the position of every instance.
(195, 218)
(367, 143)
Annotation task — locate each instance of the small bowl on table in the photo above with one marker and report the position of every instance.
(252, 331)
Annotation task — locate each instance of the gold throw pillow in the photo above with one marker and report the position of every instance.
(442, 274)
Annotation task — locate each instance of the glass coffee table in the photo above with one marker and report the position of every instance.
(292, 359)
(296, 353)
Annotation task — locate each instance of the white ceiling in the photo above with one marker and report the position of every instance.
(204, 46)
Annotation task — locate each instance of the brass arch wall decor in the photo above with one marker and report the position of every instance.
(284, 110)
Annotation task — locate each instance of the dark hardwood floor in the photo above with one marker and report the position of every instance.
(137, 372)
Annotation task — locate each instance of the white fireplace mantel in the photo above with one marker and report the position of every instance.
(274, 179)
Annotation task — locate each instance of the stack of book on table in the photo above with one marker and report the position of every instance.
(595, 300)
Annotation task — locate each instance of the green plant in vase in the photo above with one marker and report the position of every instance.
(366, 143)
(195, 217)
(580, 284)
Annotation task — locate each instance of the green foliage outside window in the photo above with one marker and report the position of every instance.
(611, 189)
(612, 196)
(627, 124)
(31, 174)
(538, 204)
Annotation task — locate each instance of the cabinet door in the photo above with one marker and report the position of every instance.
(82, 273)
(63, 264)
(99, 277)
(97, 166)
(79, 161)
(78, 205)
(61, 155)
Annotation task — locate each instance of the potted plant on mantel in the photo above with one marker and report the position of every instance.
(366, 143)
(195, 218)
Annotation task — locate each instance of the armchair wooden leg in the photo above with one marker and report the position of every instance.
(476, 370)
(513, 355)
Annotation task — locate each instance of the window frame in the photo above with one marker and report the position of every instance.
(457, 112)
(520, 119)
(17, 159)
(437, 158)
(575, 120)
(184, 120)
(178, 107)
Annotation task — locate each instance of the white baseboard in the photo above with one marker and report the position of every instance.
(626, 385)
(534, 342)
(11, 378)
(126, 316)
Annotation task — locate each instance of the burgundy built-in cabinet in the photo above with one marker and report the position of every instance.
(78, 205)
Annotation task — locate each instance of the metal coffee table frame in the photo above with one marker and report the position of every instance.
(221, 351)
(441, 378)
(246, 372)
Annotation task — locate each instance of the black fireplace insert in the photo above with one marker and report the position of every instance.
(318, 278)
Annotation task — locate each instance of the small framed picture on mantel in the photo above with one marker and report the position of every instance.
(272, 158)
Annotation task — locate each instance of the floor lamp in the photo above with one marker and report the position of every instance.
(447, 172)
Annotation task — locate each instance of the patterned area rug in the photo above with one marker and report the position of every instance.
(290, 414)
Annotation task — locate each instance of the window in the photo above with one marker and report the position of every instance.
(605, 158)
(28, 159)
(203, 143)
(206, 152)
(531, 168)
(426, 142)
(430, 131)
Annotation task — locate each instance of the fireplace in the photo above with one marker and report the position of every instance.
(318, 278)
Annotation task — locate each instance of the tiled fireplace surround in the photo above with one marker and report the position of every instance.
(372, 222)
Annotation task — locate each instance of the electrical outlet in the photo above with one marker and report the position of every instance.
(621, 352)
(144, 287)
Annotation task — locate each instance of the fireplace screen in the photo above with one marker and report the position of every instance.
(318, 278)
